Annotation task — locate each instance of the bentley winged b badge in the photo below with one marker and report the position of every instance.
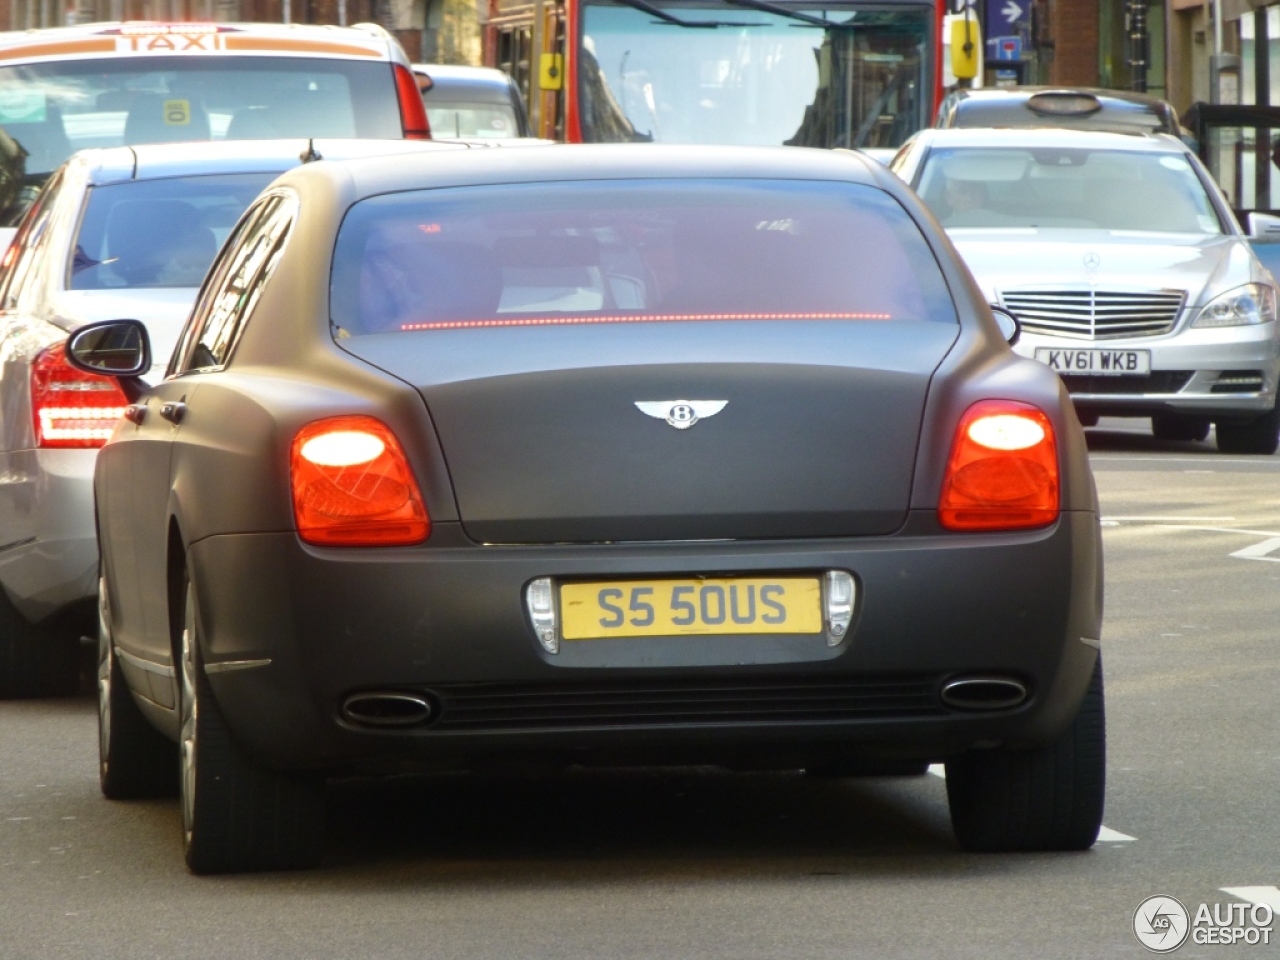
(681, 414)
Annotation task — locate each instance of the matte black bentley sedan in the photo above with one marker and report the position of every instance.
(593, 455)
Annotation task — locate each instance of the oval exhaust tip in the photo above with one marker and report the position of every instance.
(386, 709)
(984, 693)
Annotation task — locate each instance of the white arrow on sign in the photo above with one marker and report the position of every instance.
(1012, 12)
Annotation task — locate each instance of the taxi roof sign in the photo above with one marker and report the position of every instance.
(132, 38)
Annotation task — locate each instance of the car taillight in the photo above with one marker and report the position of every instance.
(1003, 471)
(71, 408)
(413, 115)
(352, 486)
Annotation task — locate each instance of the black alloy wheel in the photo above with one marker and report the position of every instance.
(1258, 436)
(1178, 427)
(1043, 799)
(237, 815)
(135, 760)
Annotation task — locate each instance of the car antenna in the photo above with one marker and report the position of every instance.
(311, 154)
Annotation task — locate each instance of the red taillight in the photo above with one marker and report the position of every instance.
(352, 486)
(1003, 471)
(72, 408)
(413, 115)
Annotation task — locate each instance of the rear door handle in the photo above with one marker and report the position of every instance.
(173, 412)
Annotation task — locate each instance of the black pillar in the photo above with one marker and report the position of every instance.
(1139, 43)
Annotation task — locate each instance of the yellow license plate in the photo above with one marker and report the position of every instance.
(663, 608)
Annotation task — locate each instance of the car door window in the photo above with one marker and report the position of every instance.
(235, 284)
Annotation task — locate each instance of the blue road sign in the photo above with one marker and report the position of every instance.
(1007, 17)
(1005, 48)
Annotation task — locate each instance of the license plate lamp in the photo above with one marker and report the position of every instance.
(539, 597)
(839, 599)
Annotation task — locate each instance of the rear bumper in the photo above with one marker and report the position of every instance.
(48, 546)
(289, 632)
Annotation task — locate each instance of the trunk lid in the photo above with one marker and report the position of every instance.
(545, 443)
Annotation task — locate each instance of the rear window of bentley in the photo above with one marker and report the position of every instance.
(632, 252)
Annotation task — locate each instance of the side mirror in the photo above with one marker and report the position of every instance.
(966, 47)
(1264, 226)
(425, 82)
(1007, 323)
(551, 71)
(113, 348)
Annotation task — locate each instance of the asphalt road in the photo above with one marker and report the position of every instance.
(663, 864)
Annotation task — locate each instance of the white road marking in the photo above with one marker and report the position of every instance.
(1217, 461)
(1145, 519)
(1105, 834)
(1164, 525)
(1268, 895)
(1252, 533)
(1260, 551)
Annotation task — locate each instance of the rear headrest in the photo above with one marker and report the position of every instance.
(146, 236)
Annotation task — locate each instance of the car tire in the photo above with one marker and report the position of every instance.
(135, 760)
(237, 814)
(35, 661)
(1260, 435)
(1040, 799)
(1174, 427)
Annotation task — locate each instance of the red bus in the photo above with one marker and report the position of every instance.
(824, 73)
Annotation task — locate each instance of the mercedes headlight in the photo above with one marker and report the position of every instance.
(1252, 303)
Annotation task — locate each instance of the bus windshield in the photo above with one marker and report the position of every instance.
(756, 73)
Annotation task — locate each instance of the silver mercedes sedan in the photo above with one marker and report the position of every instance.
(1126, 268)
(116, 233)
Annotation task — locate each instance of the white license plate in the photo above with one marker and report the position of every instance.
(1106, 363)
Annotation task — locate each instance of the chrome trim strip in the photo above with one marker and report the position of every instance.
(158, 669)
(18, 543)
(229, 666)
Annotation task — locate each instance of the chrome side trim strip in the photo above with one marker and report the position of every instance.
(17, 543)
(228, 666)
(159, 669)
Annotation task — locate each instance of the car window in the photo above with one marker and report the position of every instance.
(1066, 188)
(235, 284)
(24, 253)
(157, 233)
(478, 121)
(53, 108)
(632, 251)
(1059, 109)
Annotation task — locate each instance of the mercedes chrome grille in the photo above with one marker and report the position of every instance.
(1095, 314)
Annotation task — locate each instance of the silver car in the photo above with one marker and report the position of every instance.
(115, 233)
(1122, 261)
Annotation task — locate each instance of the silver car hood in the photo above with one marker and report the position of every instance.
(1203, 266)
(163, 310)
